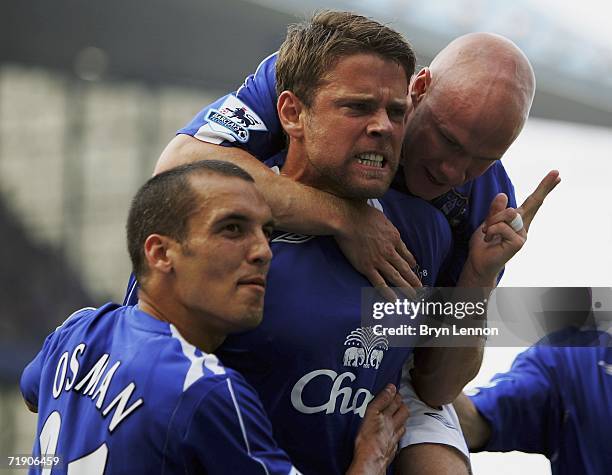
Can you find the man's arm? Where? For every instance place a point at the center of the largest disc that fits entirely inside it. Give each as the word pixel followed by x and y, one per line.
pixel 431 459
pixel 366 237
pixel 517 410
pixel 440 374
pixel 476 429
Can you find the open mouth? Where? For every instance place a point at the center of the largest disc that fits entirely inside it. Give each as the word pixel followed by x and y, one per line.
pixel 369 159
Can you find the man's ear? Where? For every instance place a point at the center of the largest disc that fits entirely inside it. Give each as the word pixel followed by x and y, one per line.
pixel 290 113
pixel 158 251
pixel 419 85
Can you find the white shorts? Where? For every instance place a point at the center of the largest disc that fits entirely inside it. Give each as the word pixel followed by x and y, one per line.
pixel 427 425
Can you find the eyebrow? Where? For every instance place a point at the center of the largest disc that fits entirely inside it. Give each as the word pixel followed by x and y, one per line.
pixel 241 217
pixel 232 217
pixel 368 98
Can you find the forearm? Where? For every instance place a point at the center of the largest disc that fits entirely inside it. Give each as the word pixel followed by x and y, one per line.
pixel 476 429
pixel 440 374
pixel 296 208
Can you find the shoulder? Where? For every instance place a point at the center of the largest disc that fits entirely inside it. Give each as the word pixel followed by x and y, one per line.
pixel 87 313
pixel 417 218
pixel 263 77
pixel 81 319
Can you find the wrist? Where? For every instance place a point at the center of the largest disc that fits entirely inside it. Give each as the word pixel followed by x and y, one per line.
pixel 362 465
pixel 342 223
pixel 472 277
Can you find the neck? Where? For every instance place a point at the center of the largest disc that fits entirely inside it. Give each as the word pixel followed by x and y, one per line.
pixel 298 167
pixel 191 327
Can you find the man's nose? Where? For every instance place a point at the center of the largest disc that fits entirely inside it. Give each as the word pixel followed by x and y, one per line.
pixel 453 170
pixel 380 125
pixel 260 252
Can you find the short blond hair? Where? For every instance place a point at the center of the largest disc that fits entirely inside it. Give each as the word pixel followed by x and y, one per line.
pixel 312 48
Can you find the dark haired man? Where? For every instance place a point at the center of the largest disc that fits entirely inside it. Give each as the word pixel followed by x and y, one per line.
pixel 138 389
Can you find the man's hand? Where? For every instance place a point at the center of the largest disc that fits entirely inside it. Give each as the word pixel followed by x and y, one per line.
pixel 381 430
pixel 495 242
pixel 374 247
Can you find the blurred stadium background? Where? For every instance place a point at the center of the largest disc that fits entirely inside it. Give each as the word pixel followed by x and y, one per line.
pixel 91 93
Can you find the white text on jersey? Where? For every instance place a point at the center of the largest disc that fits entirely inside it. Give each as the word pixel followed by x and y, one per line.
pixel 91 386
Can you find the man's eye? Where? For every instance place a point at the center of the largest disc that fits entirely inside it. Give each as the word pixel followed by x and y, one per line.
pixel 233 228
pixel 357 106
pixel 451 142
pixel 397 114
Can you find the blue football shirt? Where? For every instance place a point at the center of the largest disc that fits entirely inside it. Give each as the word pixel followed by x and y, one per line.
pixel 247 119
pixel 312 363
pixel 120 392
pixel 555 401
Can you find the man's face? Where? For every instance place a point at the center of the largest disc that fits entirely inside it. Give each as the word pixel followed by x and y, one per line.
pixel 453 138
pixel 354 127
pixel 221 266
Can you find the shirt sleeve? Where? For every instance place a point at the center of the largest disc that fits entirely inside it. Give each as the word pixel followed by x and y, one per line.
pixel 246 118
pixel 231 433
pixel 471 207
pixel 522 406
pixel 427 425
pixel 29 383
pixel 30 378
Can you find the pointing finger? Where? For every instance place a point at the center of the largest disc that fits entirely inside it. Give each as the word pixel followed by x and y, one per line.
pixel 532 204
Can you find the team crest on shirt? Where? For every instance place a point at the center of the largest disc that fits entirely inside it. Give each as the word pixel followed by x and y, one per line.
pixel 233 120
pixel 454 206
pixel 365 348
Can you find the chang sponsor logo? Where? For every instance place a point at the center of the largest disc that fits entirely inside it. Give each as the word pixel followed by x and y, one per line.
pixel 365 348
pixel 341 395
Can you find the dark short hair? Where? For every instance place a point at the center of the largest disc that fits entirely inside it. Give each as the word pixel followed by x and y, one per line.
pixel 164 204
pixel 312 48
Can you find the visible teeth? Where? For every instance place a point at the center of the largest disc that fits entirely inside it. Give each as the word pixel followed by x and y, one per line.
pixel 370 159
